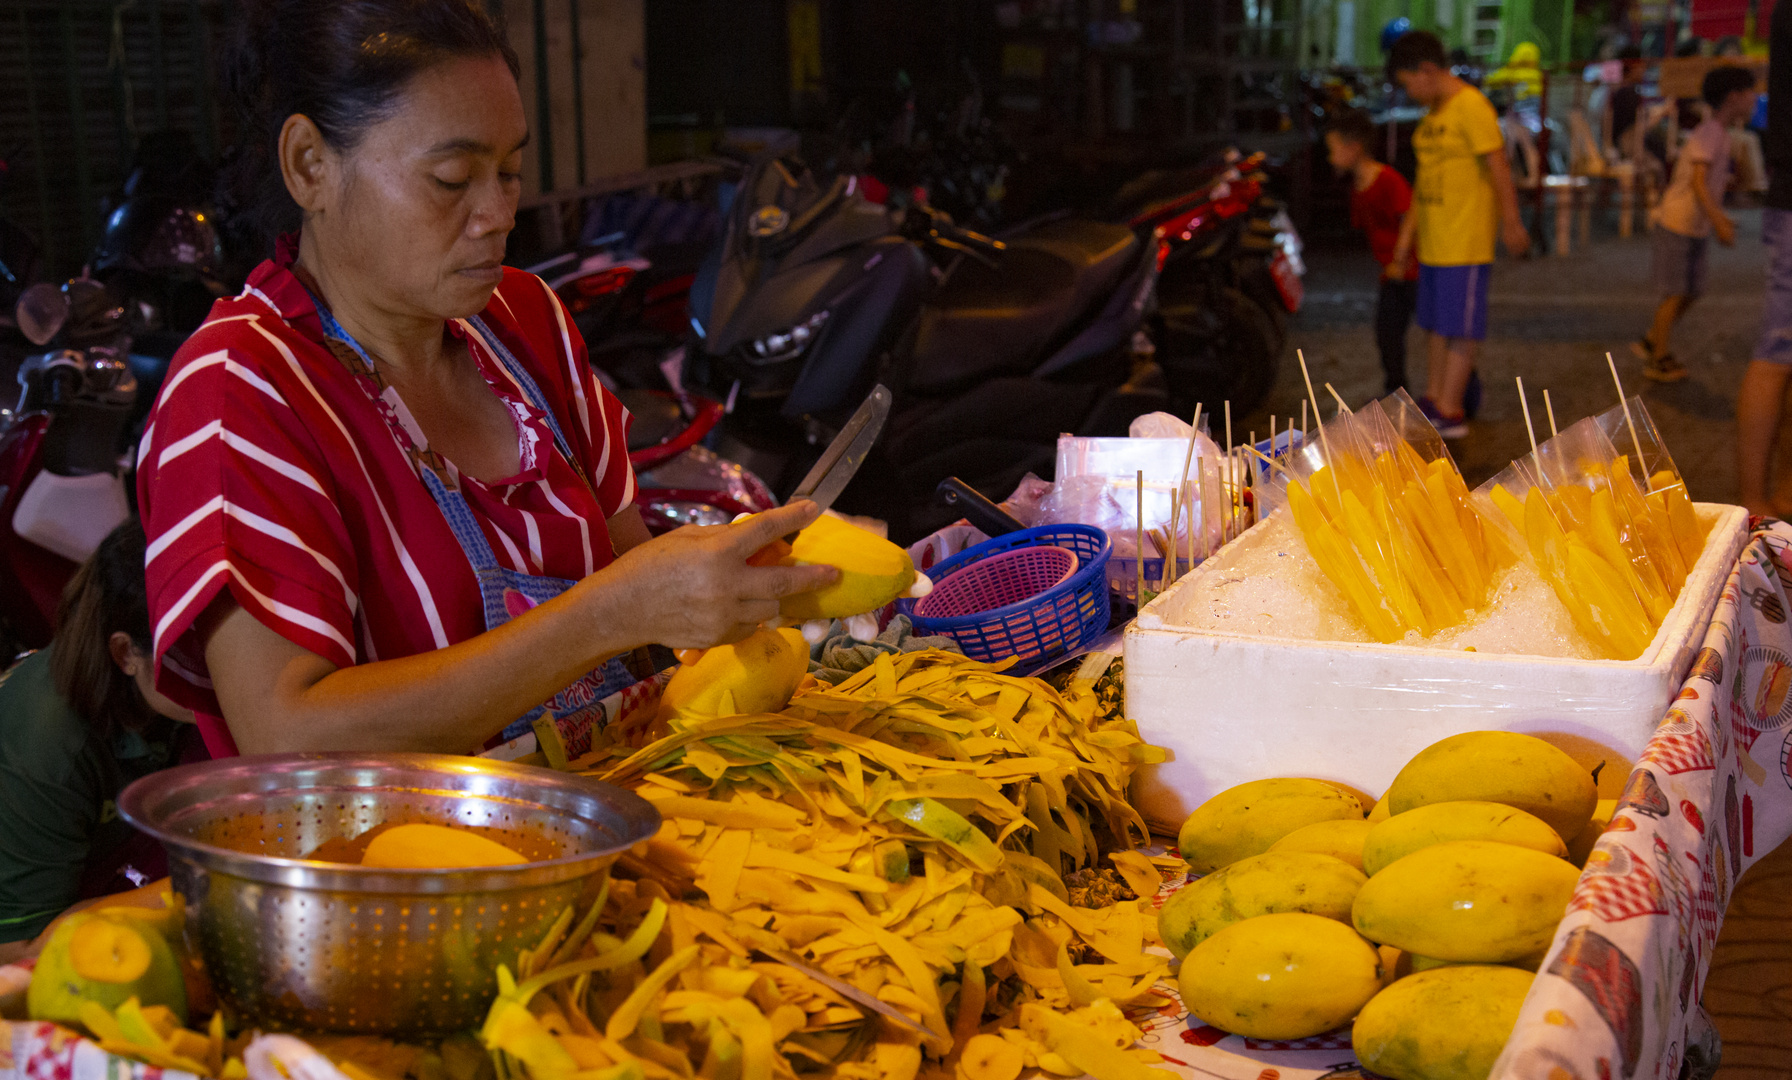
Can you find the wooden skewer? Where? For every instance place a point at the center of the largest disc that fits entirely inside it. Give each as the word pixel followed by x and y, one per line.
pixel 1139 542
pixel 1628 419
pixel 1188 457
pixel 1343 408
pixel 1528 429
pixel 1551 409
pixel 1325 442
pixel 1231 476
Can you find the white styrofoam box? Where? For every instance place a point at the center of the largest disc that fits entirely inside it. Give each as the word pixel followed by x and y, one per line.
pixel 1237 707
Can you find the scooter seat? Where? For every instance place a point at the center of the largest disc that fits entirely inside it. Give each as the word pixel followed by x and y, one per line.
pixel 1004 318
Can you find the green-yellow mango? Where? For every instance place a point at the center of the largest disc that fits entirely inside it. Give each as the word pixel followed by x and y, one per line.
pixel 1582 846
pixel 98 957
pixel 1260 885
pixel 1471 901
pixel 1502 767
pixel 1341 839
pixel 1245 820
pixel 1285 976
pixel 1427 963
pixel 1466 819
pixel 1447 1024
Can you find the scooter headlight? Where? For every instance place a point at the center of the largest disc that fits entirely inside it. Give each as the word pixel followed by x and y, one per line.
pixel 786 344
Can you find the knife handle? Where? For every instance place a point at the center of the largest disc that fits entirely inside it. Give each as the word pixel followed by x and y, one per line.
pixel 976 508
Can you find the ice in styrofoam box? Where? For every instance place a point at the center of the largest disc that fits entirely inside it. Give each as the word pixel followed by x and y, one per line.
pixel 1245 669
pixel 1267 584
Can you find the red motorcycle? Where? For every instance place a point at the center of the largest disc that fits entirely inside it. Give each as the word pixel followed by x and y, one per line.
pixel 633 314
pixel 63 477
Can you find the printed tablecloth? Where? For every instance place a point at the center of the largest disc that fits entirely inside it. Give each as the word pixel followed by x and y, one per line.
pixel 1618 996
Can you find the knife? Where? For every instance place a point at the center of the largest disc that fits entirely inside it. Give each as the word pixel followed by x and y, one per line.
pixel 846 989
pixel 841 460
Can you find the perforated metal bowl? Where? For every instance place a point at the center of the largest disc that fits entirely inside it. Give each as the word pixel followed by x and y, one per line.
pixel 319 946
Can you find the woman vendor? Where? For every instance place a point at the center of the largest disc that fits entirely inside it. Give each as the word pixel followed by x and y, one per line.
pixel 78 722
pixel 388 505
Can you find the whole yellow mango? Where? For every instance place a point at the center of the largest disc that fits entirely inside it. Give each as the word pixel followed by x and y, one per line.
pixel 1472 901
pixel 436 847
pixel 1502 767
pixel 1400 836
pixel 873 571
pixel 754 675
pixel 1341 839
pixel 1260 885
pixel 1447 1024
pixel 1582 845
pixel 1286 976
pixel 1379 812
pixel 1245 820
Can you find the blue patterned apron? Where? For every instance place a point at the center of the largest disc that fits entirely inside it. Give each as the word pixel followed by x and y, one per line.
pixel 564 724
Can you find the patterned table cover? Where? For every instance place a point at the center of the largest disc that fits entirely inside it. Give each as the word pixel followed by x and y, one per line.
pixel 1618 996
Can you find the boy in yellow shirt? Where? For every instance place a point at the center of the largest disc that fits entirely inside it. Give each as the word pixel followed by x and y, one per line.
pixel 1463 201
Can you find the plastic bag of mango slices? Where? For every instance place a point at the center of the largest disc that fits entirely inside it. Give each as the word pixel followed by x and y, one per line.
pixel 869 884
pixel 1614 540
pixel 1388 519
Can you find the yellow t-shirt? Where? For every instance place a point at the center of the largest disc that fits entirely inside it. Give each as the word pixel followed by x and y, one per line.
pixel 1458 211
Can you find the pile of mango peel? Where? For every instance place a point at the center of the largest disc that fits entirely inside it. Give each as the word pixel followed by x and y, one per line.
pixel 904 833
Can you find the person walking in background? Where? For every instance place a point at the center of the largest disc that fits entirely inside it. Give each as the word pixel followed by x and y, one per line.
pixel 1463 201
pixel 1762 399
pixel 1379 199
pixel 1692 210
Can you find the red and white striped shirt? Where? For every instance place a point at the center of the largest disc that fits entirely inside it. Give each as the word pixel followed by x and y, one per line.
pixel 267 469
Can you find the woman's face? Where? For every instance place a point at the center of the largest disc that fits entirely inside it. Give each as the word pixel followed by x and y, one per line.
pixel 421 206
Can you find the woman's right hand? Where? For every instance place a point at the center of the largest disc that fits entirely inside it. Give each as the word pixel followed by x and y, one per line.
pixel 692 588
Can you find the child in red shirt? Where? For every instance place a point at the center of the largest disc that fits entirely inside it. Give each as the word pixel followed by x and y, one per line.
pixel 1379 197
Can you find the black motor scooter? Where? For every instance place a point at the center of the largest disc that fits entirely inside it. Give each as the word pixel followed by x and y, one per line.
pixel 993 348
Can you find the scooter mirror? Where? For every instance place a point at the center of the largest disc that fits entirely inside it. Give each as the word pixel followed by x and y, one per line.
pixel 41 311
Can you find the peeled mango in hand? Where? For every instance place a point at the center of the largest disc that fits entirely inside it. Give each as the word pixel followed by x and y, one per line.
pixel 98 957
pixel 1400 836
pixel 873 571
pixel 1341 839
pixel 436 847
pixel 1260 885
pixel 1287 976
pixel 1471 901
pixel 1447 1024
pixel 1245 820
pixel 755 675
pixel 1502 767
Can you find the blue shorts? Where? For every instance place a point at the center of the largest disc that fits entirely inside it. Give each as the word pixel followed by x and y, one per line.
pixel 1679 263
pixel 1453 300
pixel 1775 345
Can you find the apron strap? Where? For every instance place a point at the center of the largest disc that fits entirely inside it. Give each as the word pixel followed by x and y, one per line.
pixel 462 524
pixel 532 391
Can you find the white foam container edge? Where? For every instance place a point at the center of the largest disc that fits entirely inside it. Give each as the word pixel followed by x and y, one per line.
pixel 1238 707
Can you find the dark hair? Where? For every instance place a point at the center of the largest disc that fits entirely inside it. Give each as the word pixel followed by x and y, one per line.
pixel 105 596
pixel 1721 82
pixel 1416 47
pixel 1353 125
pixel 339 62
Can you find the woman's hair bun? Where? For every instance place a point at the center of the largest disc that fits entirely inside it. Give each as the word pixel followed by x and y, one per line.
pixel 339 62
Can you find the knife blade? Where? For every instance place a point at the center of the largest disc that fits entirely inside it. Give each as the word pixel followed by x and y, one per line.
pixel 848 990
pixel 841 460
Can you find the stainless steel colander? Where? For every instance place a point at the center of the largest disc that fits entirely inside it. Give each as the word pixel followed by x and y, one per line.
pixel 316 946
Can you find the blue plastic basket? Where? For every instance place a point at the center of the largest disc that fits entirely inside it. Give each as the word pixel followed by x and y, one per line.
pixel 1043 628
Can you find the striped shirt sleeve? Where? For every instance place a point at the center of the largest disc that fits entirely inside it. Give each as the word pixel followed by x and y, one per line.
pixel 600 417
pixel 236 495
